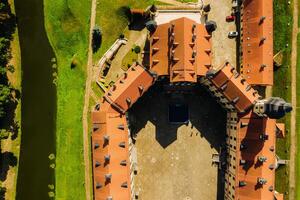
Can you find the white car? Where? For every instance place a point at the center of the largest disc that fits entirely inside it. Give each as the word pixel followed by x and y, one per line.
pixel 233 34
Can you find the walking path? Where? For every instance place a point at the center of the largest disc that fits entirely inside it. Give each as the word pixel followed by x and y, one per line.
pixel 86 138
pixel 173 2
pixel 292 178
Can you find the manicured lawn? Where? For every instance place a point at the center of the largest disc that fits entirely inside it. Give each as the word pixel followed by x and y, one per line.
pixel 282 79
pixel 67 25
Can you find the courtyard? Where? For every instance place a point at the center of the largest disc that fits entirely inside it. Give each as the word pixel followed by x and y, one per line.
pixel 174 161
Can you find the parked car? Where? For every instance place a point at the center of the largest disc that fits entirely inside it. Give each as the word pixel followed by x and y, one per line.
pixel 230 18
pixel 233 34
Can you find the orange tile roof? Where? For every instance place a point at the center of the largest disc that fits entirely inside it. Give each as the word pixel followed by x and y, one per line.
pixel 257 41
pixel 279 196
pixel 110 138
pixel 181 49
pixel 124 93
pixel 234 88
pixel 250 129
pixel 280 130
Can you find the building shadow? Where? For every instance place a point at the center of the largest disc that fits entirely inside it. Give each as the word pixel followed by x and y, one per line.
pixel 256 145
pixel 205 115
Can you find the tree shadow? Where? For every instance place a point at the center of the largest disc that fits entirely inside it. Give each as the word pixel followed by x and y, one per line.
pixel 8 20
pixel 7 159
pixel 2 193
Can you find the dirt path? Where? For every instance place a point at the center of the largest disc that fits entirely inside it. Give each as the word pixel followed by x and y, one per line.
pixel 292 174
pixel 86 149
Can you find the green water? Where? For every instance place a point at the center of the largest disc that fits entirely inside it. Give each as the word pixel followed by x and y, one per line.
pixel 38 103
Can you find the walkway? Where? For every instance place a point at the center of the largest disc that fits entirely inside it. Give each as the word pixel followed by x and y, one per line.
pixel 294 103
pixel 86 137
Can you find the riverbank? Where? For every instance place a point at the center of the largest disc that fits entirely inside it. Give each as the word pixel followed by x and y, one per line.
pixel 12 144
pixel 282 79
pixel 67 26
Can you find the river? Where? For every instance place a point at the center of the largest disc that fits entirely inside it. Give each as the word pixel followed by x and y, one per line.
pixel 38 103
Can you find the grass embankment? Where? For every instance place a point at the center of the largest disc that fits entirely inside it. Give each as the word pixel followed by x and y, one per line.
pixel 67 26
pixel 282 80
pixel 298 122
pixel 12 144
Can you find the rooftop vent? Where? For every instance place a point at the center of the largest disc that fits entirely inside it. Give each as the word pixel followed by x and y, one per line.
pixel 123 163
pixel 107 177
pixel 262 19
pixel 98 185
pixel 242 162
pixel 97 163
pixel 107 158
pixel 261 181
pixel 121 127
pixel 106 139
pixel 262 159
pixel 122 145
pixel 124 185
pixel 96 146
pixel 263 137
pixel 242 183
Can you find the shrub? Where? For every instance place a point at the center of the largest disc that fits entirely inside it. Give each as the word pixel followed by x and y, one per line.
pixel 4 134
pixel 137 49
pixel 97 38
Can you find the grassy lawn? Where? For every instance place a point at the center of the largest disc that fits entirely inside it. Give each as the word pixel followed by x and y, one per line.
pixel 127 61
pixel 112 20
pixel 298 121
pixel 67 25
pixel 282 79
pixel 13 144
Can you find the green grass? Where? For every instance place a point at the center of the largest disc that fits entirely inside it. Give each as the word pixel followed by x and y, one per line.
pixel 129 58
pixel 67 25
pixel 298 121
pixel 282 79
pixel 112 20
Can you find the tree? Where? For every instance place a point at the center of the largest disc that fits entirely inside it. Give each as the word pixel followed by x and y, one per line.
pixel 137 49
pixel 4 98
pixel 4 134
pixel 97 38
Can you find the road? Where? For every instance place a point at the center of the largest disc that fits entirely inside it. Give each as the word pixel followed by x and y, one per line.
pixel 86 137
pixel 292 178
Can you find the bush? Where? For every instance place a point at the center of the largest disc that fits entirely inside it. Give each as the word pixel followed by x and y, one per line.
pixel 74 63
pixel 97 38
pixel 122 36
pixel 137 49
pixel 11 68
pixel 4 134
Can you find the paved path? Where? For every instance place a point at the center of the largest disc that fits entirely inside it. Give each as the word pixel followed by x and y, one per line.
pixel 173 2
pixel 294 103
pixel 86 138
